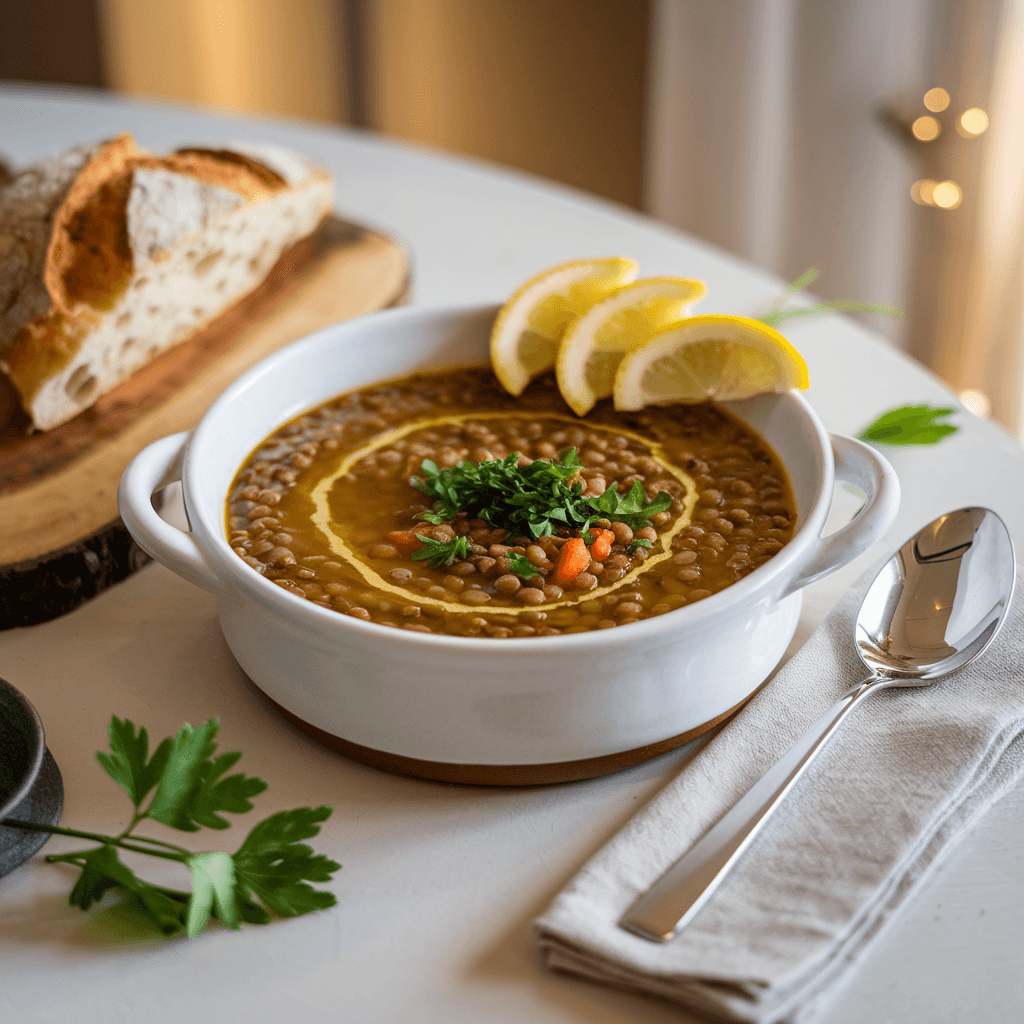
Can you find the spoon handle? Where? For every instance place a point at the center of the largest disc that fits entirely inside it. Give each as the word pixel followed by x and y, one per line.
pixel 679 894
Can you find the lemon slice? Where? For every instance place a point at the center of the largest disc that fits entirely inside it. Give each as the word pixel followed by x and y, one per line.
pixel 529 327
pixel 594 344
pixel 708 357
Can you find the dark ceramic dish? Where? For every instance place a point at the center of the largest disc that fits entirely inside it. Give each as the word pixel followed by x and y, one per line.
pixel 30 784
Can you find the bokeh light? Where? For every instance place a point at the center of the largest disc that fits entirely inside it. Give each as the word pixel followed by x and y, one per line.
pixel 972 122
pixel 947 195
pixel 926 128
pixel 921 191
pixel 936 100
pixel 976 401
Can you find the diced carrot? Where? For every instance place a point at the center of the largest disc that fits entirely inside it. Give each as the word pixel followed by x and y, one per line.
pixel 601 547
pixel 405 540
pixel 572 560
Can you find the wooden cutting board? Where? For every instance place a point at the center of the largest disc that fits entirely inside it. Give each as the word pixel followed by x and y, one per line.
pixel 61 540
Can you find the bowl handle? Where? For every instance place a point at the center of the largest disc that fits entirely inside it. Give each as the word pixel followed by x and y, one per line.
pixel 858 464
pixel 155 467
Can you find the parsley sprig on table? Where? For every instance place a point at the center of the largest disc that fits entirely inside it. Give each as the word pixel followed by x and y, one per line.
pixel 270 871
pixel 910 424
pixel 532 500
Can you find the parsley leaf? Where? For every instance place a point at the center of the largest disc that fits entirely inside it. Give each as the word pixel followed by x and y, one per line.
pixel 639 542
pixel 126 764
pixel 632 508
pixel 216 794
pixel 103 870
pixel 213 884
pixel 533 500
pixel 182 776
pixel 270 872
pixel 191 792
pixel 271 864
pixel 910 424
pixel 441 552
pixel 522 567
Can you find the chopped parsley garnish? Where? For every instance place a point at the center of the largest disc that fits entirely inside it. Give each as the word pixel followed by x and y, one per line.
pixel 441 552
pixel 522 567
pixel 532 500
pixel 639 542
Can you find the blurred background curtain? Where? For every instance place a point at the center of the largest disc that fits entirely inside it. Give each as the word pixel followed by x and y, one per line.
pixel 793 133
pixel 979 328
pixel 271 56
pixel 787 131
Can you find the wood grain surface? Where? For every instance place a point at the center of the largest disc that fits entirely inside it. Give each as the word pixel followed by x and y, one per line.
pixel 61 541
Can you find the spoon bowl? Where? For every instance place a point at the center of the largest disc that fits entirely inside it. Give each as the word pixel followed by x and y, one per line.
pixel 939 601
pixel 934 606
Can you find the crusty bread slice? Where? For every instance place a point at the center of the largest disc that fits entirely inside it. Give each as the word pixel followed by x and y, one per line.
pixel 28 208
pixel 110 255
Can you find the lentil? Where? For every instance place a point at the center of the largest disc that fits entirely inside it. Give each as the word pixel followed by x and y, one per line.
pixel 744 511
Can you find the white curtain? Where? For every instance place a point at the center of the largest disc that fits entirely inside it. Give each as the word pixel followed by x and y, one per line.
pixel 774 132
pixel 985 264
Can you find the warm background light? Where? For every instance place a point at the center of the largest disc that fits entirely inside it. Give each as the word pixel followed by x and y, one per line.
pixel 973 122
pixel 921 191
pixel 976 401
pixel 936 100
pixel 622 100
pixel 252 55
pixel 947 195
pixel 926 128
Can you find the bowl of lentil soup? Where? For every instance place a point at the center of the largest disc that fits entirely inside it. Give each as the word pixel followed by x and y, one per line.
pixel 437 578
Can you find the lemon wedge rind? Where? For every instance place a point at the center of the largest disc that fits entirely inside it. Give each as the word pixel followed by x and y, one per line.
pixel 712 357
pixel 529 327
pixel 594 344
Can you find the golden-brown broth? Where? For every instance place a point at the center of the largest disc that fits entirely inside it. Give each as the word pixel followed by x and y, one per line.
pixel 313 507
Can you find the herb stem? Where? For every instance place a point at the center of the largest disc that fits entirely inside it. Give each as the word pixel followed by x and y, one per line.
pixel 157 842
pixel 136 818
pixel 31 826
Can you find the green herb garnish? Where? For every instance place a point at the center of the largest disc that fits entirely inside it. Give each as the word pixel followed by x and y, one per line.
pixel 639 542
pixel 441 552
pixel 910 424
pixel 269 871
pixel 631 508
pixel 777 315
pixel 531 500
pixel 522 567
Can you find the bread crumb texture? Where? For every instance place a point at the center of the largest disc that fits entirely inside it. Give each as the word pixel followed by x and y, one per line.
pixel 109 255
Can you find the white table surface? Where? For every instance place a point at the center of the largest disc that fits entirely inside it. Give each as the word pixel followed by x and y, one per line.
pixel 440 883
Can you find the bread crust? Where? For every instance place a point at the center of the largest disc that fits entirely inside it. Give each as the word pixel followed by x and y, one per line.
pixel 28 208
pixel 107 253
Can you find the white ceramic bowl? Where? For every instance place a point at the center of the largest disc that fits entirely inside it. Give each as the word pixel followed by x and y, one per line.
pixel 484 710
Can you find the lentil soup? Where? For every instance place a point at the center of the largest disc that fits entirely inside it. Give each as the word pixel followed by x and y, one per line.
pixel 336 507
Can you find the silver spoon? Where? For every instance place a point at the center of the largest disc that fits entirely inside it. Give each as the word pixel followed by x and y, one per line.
pixel 934 606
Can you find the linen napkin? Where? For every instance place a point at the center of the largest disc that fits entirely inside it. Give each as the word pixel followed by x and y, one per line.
pixel 907 773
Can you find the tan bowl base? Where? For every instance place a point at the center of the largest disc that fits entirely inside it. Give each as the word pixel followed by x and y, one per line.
pixel 499 774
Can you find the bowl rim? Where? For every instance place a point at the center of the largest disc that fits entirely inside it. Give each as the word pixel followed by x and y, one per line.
pixel 37 754
pixel 299 612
